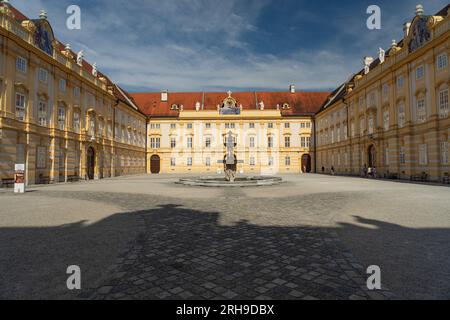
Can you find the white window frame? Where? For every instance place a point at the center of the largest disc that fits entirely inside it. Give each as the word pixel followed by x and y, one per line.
pixel 421 110
pixel 62 85
pixel 42 113
pixel 21 106
pixel 443 104
pixel 444 152
pixel 43 75
pixel 61 118
pixel 21 64
pixel 420 72
pixel 442 61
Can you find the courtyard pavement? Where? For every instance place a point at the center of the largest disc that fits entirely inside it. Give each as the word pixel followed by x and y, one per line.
pixel 144 237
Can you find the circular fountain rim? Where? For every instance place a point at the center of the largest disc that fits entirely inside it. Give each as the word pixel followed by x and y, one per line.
pixel 242 181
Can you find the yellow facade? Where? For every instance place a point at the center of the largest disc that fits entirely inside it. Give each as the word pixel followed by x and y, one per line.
pixel 60 120
pixel 266 142
pixel 395 115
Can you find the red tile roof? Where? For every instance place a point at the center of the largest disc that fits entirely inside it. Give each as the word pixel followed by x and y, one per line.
pixel 301 103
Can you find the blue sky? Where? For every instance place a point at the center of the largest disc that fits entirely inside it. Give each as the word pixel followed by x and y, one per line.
pixel 210 45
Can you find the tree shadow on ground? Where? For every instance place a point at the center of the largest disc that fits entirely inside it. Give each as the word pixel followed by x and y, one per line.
pixel 181 253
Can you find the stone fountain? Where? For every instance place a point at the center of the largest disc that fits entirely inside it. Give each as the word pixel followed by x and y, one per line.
pixel 230 169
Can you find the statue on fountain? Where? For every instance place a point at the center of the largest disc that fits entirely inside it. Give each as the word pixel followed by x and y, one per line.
pixel 230 162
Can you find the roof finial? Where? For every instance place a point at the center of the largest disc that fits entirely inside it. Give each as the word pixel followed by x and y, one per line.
pixel 68 48
pixel 419 10
pixel 43 14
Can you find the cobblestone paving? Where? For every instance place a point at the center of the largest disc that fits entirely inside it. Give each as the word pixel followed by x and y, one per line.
pixel 286 242
pixel 185 253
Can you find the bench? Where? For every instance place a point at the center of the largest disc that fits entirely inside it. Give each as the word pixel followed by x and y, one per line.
pixel 420 177
pixel 43 180
pixel 74 178
pixel 446 179
pixel 8 183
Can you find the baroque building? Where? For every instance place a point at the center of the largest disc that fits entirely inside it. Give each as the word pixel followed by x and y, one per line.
pixel 272 130
pixel 394 114
pixel 59 115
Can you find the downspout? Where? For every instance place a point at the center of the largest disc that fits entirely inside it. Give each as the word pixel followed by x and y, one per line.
pixel 348 134
pixel 315 143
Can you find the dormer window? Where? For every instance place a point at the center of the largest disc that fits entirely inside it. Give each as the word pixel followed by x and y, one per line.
pixel 174 107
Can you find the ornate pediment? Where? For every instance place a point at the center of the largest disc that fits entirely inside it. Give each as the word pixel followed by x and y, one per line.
pixel 43 36
pixel 229 106
pixel 419 33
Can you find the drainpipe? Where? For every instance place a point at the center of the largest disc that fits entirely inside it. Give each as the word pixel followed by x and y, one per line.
pixel 315 143
pixel 348 134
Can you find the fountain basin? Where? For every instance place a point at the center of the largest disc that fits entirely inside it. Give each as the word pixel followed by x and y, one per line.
pixel 240 182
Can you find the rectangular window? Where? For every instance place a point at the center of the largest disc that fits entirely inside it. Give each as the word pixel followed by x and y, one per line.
pixel 386 156
pixel 189 162
pixel 287 142
pixel 402 155
pixel 20 107
pixel 173 126
pixel 173 143
pixel 77 92
pixel 61 118
pixel 252 161
pixel 189 125
pixel 423 154
pixel 442 61
pixel 62 85
pixel 270 142
pixel 401 116
pixel 173 162
pixel 287 161
pixel 444 152
pixel 362 125
pixel 303 125
pixel 155 143
pixel 386 120
pixel 208 125
pixel 41 158
pixel 43 75
pixel 189 142
pixel 21 64
pixel 42 114
pixel 270 125
pixel 156 126
pixel 303 142
pixel 421 111
pixel 287 125
pixel 443 104
pixel 208 142
pixel 420 72
pixel 270 162
pixel 208 161
pixel 371 125
pixel 252 126
pixel 252 142
pixel 400 82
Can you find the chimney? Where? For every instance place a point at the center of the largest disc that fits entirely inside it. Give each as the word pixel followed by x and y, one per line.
pixel 419 10
pixel 164 96
pixel 406 28
pixel 292 88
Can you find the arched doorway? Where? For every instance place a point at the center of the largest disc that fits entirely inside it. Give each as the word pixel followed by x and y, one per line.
pixel 371 156
pixel 155 164
pixel 306 163
pixel 91 163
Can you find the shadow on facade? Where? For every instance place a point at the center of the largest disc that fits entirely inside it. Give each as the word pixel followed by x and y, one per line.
pixel 187 254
